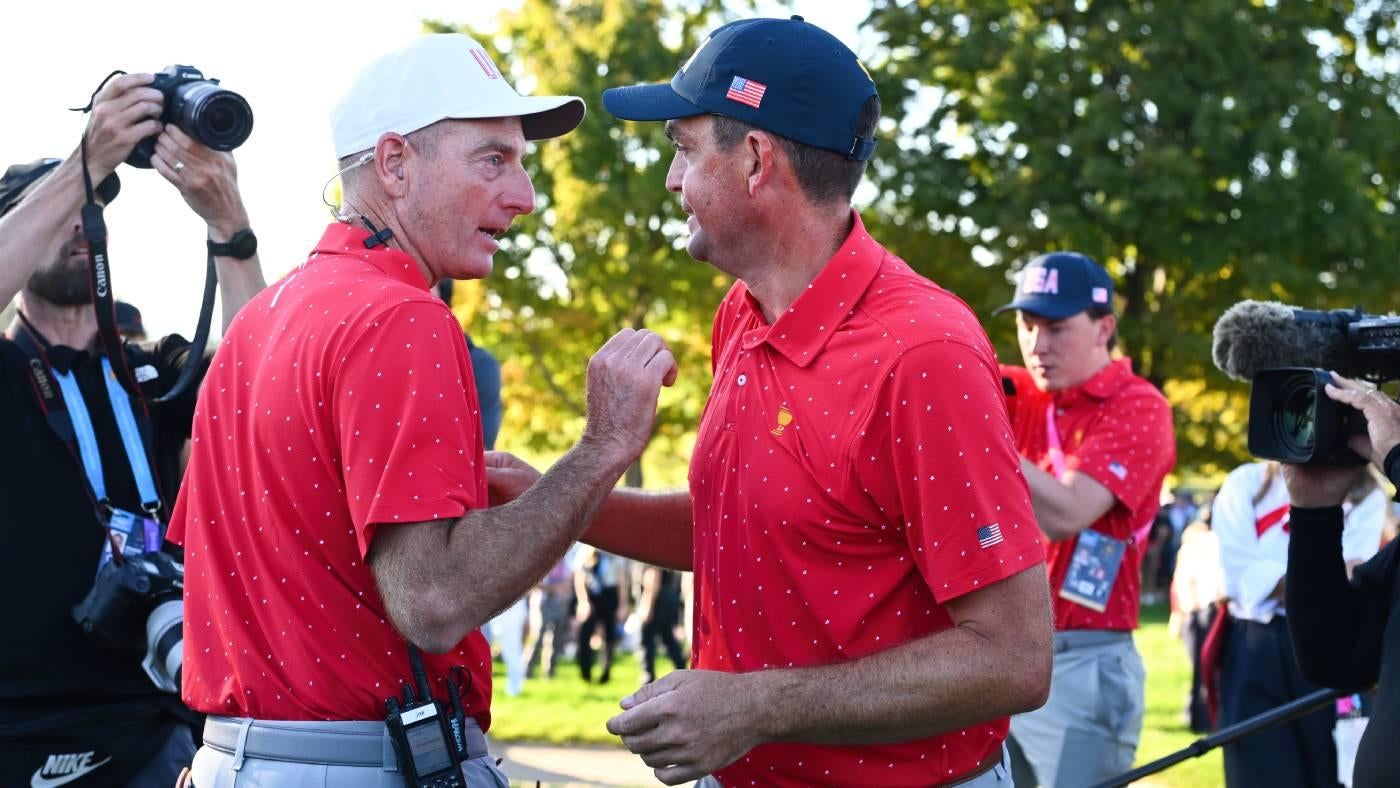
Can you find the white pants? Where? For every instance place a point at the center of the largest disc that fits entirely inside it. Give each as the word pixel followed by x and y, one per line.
pixel 508 630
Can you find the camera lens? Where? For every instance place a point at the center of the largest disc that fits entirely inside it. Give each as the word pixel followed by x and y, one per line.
pixel 218 118
pixel 1296 418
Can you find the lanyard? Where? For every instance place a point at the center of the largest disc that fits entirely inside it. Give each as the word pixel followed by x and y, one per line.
pixel 1052 439
pixel 86 436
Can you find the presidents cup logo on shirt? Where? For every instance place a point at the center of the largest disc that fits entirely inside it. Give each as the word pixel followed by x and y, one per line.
pixel 784 419
pixel 64 768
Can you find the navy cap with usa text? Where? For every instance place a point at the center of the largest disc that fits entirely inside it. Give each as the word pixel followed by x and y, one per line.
pixel 786 76
pixel 1060 285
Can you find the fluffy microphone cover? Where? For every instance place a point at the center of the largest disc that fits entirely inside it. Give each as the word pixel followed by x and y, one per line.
pixel 1255 335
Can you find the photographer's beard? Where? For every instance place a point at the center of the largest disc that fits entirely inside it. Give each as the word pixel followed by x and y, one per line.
pixel 64 282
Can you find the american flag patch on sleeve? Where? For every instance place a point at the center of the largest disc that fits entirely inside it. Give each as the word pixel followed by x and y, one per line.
pixel 989 535
pixel 746 91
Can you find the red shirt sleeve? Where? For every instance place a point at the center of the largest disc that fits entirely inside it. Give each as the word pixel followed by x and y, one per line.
pixel 954 478
pixel 1130 450
pixel 405 411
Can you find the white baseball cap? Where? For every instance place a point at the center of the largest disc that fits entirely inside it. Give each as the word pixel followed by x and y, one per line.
pixel 435 77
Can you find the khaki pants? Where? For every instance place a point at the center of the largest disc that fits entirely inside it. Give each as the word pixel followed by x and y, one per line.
pixel 1088 730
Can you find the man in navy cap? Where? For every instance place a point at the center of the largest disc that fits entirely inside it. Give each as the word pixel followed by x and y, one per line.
pixel 1096 442
pixel 868 572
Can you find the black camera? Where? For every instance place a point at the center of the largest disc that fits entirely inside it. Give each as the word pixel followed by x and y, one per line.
pixel 213 116
pixel 136 606
pixel 1291 418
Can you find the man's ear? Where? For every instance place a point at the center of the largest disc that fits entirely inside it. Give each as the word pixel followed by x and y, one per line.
pixel 389 166
pixel 761 161
pixel 1107 325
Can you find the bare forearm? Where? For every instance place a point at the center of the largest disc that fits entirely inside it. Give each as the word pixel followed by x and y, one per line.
pixel 32 233
pixel 944 682
pixel 652 527
pixel 239 281
pixel 464 572
pixel 1049 500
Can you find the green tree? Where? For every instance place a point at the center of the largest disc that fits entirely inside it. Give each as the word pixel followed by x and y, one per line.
pixel 605 247
pixel 1205 151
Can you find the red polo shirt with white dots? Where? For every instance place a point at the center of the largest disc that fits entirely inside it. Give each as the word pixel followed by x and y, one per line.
pixel 1116 428
pixel 340 402
pixel 853 473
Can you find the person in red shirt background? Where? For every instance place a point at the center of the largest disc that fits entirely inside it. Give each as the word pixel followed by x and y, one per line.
pixel 335 512
pixel 1096 442
pixel 870 597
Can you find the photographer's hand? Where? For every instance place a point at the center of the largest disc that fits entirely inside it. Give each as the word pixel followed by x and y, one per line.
pixel 124 112
pixel 208 180
pixel 1382 417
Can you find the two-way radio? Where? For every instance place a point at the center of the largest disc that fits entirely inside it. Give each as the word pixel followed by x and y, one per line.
pixel 423 741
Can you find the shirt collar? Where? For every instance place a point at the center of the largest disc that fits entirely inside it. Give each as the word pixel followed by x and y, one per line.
pixel 803 330
pixel 349 241
pixel 1104 384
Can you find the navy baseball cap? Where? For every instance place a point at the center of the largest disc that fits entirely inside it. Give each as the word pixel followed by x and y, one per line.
pixel 786 76
pixel 17 180
pixel 1060 285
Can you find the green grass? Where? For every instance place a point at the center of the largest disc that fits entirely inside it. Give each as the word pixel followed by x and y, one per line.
pixel 1163 727
pixel 565 710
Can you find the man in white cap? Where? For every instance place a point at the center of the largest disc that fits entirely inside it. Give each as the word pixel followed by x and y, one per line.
pixel 335 511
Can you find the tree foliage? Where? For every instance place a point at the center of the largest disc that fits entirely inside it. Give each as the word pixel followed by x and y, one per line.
pixel 1205 152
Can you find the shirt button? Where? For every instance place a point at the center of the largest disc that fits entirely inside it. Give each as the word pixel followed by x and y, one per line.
pixel 742 379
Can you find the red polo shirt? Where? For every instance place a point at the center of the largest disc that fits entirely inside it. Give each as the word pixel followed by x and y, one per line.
pixel 854 472
pixel 1116 428
pixel 340 402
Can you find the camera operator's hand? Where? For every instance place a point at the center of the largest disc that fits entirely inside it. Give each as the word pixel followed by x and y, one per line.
pixel 1315 486
pixel 1382 417
pixel 206 178
pixel 124 112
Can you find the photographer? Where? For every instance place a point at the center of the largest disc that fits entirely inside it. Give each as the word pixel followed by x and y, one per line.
pixel 1342 629
pixel 74 711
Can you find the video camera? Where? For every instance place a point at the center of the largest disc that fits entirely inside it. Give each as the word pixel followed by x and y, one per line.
pixel 213 116
pixel 1288 355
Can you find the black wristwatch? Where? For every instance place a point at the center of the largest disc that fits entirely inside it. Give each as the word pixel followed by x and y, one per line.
pixel 241 246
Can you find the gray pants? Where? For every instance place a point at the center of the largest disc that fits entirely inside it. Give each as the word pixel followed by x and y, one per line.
pixel 1088 730
pixel 240 753
pixel 998 776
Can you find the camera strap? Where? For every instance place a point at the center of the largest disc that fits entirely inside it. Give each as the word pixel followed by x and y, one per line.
pixel 67 414
pixel 100 283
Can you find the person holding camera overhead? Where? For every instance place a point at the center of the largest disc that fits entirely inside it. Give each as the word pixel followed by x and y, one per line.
pixel 87 474
pixel 1346 633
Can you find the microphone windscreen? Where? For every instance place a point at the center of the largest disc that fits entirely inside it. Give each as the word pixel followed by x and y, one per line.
pixel 1255 335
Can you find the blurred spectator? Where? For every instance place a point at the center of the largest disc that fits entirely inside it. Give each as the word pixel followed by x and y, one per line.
pixel 129 322
pixel 661 609
pixel 1197 587
pixel 1258 670
pixel 599 581
pixel 556 600
pixel 1180 513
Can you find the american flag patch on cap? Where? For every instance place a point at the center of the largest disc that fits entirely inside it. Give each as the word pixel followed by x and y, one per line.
pixel 746 91
pixel 1100 295
pixel 989 535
